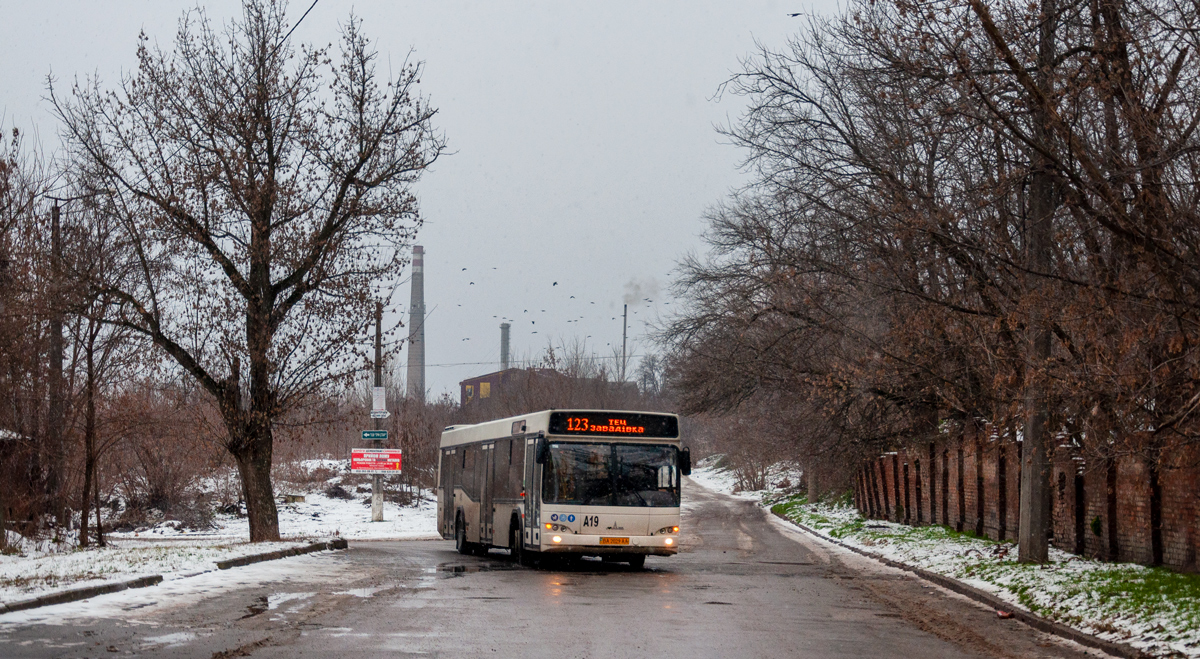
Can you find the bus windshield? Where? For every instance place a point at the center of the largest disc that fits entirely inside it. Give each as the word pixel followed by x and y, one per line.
pixel 611 475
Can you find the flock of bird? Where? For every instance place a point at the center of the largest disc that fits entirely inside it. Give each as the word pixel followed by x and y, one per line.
pixel 533 322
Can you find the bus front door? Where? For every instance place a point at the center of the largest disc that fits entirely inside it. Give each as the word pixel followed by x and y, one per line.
pixel 533 492
pixel 485 500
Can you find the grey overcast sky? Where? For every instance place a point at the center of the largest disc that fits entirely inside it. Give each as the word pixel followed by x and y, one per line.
pixel 582 139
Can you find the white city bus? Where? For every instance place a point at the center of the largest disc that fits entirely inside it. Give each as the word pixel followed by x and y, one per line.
pixel 566 482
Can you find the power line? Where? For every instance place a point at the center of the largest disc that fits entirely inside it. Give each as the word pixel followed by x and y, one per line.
pixel 530 362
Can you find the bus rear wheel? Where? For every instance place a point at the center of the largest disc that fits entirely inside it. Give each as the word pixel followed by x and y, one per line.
pixel 460 537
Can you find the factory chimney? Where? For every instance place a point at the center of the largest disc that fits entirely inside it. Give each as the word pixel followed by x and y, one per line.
pixel 504 346
pixel 416 327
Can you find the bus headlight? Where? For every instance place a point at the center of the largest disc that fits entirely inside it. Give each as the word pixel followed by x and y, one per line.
pixel 557 538
pixel 667 529
pixel 669 541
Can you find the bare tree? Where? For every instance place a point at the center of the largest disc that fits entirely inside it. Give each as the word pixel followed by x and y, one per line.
pixel 961 211
pixel 265 191
pixel 23 276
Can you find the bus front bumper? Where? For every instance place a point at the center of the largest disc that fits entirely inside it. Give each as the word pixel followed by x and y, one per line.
pixel 656 545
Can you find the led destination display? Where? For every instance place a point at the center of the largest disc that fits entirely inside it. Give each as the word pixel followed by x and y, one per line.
pixel 610 423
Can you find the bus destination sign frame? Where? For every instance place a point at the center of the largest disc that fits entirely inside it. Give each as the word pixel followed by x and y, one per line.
pixel 613 423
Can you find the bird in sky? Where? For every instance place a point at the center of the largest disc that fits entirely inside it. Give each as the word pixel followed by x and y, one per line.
pixel 464 269
pixel 593 303
pixel 533 322
pixel 554 284
pixel 472 283
pixel 572 297
pixel 533 332
pixel 525 311
pixel 466 339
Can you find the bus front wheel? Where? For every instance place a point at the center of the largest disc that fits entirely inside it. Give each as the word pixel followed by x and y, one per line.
pixel 637 561
pixel 516 547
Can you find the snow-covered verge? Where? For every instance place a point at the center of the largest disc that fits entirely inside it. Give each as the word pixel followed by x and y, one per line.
pixel 336 503
pixel 1153 609
pixel 171 549
pixel 711 474
pixel 31 575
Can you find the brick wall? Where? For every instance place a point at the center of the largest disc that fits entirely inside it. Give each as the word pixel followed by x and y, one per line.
pixel 1180 508
pixel 1113 509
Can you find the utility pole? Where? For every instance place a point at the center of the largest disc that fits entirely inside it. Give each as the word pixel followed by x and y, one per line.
pixel 624 327
pixel 377 479
pixel 1034 514
pixel 55 424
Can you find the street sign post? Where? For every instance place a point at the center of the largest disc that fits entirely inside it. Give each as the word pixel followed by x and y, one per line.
pixel 375 460
pixel 369 435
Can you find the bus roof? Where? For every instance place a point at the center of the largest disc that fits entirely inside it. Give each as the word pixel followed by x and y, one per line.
pixel 536 422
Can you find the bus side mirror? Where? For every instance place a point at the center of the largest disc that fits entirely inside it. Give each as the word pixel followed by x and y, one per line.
pixel 685 462
pixel 543 452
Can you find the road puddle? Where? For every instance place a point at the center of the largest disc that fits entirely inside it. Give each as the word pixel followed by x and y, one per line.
pixel 455 570
pixel 170 640
pixel 260 606
pixel 362 592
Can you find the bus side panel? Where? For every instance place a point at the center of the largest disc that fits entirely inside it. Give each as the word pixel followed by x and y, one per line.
pixel 466 493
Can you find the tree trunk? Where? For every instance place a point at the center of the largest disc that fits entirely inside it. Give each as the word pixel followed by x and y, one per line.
pixel 99 525
pixel 254 466
pixel 3 511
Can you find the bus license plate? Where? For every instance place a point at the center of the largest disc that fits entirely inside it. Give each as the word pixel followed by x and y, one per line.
pixel 614 541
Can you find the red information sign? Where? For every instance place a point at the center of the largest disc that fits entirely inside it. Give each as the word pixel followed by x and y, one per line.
pixel 375 460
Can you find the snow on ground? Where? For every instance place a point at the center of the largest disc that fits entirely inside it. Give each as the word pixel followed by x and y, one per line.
pixel 1153 609
pixel 319 516
pixel 25 577
pixel 184 591
pixel 173 551
pixel 709 474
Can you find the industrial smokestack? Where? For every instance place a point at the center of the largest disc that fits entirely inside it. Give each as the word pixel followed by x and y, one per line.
pixel 416 327
pixel 504 346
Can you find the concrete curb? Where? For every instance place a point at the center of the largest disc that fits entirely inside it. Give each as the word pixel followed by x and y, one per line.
pixel 339 543
pixel 986 598
pixel 77 594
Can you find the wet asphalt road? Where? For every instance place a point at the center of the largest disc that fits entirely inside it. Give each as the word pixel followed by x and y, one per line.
pixel 742 586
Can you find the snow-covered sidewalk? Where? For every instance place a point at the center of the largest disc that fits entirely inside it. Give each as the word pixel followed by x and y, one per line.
pixel 1152 609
